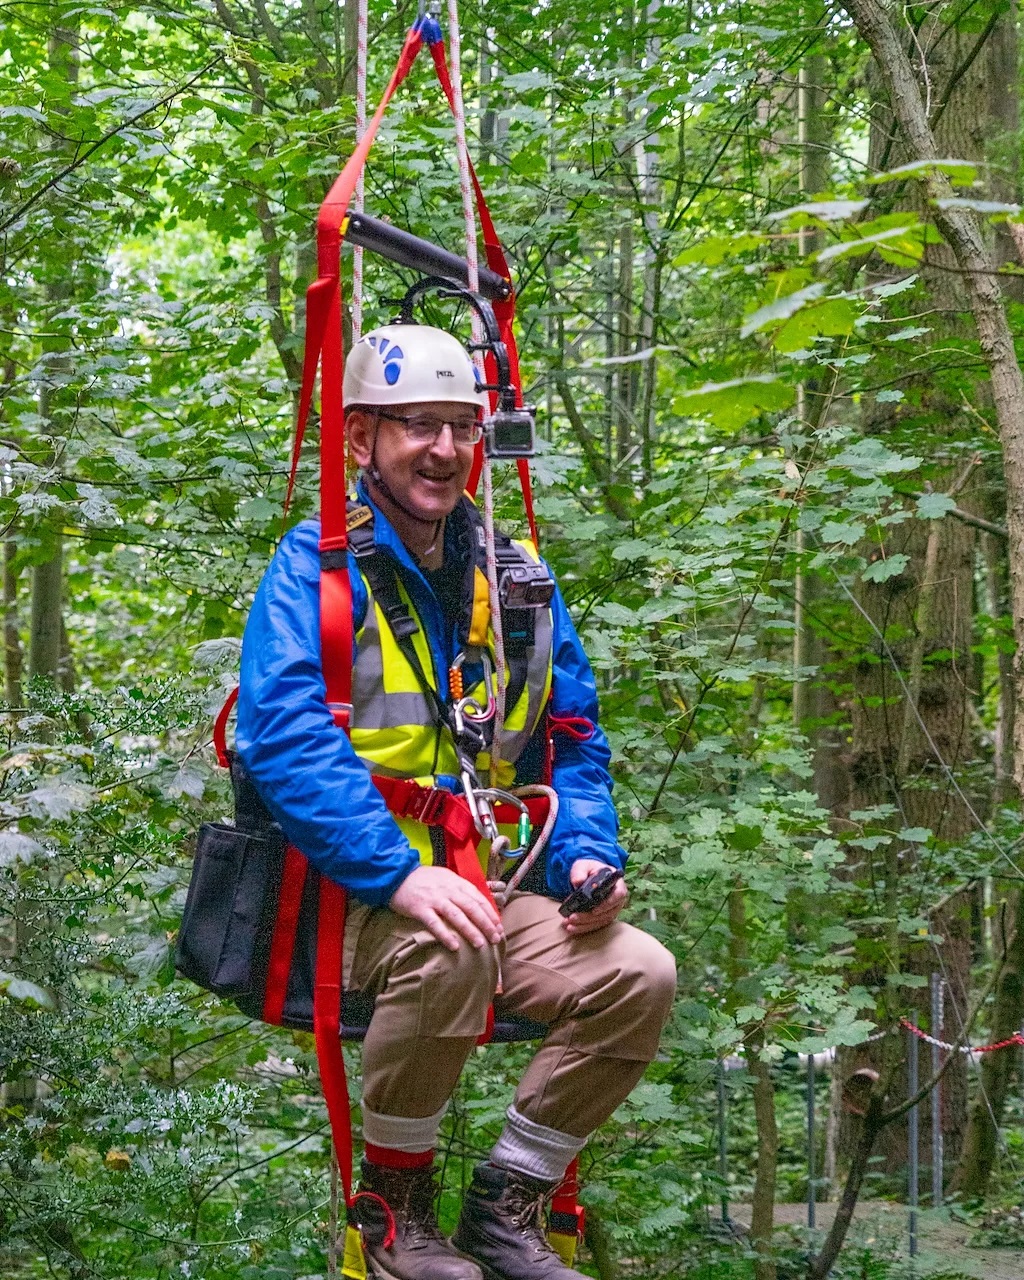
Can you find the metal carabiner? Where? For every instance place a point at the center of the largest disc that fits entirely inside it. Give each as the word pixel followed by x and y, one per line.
pixel 468 706
pixel 494 795
pixel 482 814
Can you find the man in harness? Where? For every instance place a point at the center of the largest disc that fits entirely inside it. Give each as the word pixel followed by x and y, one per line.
pixel 425 936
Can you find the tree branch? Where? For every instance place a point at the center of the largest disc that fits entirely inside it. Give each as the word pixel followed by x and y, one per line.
pixel 590 450
pixel 959 72
pixel 91 150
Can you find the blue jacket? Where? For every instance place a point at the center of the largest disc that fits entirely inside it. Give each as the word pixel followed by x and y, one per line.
pixel 315 785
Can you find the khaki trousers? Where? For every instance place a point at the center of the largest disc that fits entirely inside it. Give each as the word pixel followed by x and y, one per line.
pixel 605 997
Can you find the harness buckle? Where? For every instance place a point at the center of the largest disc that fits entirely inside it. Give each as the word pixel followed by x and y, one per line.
pixel 426 805
pixel 342 714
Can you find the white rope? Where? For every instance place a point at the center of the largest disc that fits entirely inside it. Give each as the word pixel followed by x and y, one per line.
pixel 462 151
pixel 357 252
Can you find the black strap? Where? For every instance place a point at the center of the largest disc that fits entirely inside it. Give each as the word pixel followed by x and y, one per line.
pixel 383 579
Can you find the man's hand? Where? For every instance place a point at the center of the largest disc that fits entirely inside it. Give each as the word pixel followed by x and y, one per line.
pixel 605 912
pixel 450 907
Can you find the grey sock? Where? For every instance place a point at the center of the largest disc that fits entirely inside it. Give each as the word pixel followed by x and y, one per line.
pixel 534 1149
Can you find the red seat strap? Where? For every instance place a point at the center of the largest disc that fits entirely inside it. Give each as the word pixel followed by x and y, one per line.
pixel 330 945
pixel 282 942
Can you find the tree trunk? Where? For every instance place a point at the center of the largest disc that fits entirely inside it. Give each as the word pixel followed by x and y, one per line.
pixel 977 263
pixel 914 727
pixel 46 618
pixel 598 1241
pixel 762 1222
pixel 12 633
pixel 47 576
pixel 814 704
pixel 653 260
pixel 980 1144
pixel 762 1209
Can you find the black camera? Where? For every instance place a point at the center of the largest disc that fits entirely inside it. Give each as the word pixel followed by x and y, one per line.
pixel 509 433
pixel 525 586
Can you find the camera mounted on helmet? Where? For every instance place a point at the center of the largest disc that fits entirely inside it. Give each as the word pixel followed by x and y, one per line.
pixel 510 431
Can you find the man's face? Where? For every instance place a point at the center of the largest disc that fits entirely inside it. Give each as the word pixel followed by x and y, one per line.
pixel 428 476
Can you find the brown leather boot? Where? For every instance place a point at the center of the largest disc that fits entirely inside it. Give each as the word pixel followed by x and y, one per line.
pixel 501 1227
pixel 419 1251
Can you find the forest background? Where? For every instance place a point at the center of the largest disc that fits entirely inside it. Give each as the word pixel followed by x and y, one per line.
pixel 768 259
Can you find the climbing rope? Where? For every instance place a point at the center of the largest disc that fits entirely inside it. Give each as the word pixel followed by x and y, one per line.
pixel 469 215
pixel 357 250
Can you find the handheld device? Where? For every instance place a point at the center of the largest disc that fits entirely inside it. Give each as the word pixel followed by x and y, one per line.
pixel 592 892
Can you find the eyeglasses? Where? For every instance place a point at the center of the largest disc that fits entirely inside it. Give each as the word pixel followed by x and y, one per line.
pixel 424 429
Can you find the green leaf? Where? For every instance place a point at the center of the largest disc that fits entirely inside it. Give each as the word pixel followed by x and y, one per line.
pixel 24 992
pixel 743 838
pixel 892 396
pixel 978 206
pixel 16 847
pixel 857 248
pixel 714 250
pixel 916 835
pixel 781 309
pixel 837 935
pixel 826 210
pixel 911 331
pixel 830 318
pixel 933 506
pixel 960 172
pixel 731 404
pixel 848 531
pixel 882 569
pixel 870 458
pixel 897 286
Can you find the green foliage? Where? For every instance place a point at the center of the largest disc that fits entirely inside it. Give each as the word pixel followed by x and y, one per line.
pixel 746 394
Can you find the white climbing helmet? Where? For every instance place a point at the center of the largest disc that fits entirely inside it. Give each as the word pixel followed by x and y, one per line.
pixel 410 364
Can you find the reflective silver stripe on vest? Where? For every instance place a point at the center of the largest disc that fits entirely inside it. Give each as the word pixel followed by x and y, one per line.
pixel 513 742
pixel 372 706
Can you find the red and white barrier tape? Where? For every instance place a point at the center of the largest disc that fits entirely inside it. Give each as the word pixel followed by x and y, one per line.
pixel 1015 1039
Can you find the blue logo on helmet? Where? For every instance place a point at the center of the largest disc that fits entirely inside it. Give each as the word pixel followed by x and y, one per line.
pixel 392 357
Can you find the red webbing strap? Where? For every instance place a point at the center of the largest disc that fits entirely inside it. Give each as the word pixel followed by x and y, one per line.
pixel 318 301
pixel 504 309
pixel 220 729
pixel 323 297
pixel 564 1204
pixel 335 591
pixel 282 942
pixel 330 945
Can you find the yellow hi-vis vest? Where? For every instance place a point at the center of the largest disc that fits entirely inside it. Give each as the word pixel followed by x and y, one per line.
pixel 394 726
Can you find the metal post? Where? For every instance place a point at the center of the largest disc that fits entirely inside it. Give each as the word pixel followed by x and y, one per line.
pixel 937 1153
pixel 723 1168
pixel 912 1134
pixel 811 1188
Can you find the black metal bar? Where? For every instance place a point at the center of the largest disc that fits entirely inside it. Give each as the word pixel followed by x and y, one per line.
pixel 937 1157
pixel 723 1150
pixel 420 255
pixel 912 1133
pixel 811 1187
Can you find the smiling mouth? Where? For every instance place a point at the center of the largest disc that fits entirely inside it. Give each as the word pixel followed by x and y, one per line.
pixel 436 479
